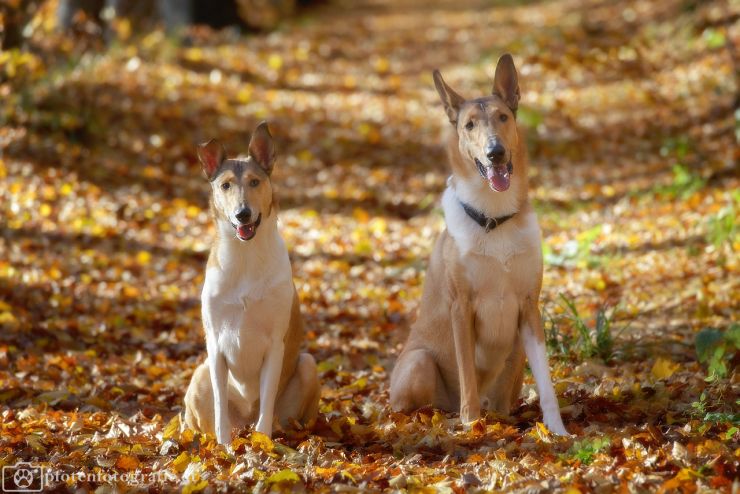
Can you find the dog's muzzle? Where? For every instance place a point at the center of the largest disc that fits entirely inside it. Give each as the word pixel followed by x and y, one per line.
pixel 497 175
pixel 247 231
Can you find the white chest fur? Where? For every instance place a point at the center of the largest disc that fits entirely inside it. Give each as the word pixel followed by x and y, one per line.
pixel 501 266
pixel 246 301
pixel 503 243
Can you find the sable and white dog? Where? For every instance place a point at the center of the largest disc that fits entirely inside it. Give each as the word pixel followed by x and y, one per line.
pixel 250 308
pixel 479 315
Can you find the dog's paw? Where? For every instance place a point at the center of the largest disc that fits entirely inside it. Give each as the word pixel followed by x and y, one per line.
pixel 223 439
pixel 223 434
pixel 469 414
pixel 264 427
pixel 556 426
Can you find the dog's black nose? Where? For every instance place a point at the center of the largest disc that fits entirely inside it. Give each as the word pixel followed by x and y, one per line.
pixel 495 152
pixel 243 214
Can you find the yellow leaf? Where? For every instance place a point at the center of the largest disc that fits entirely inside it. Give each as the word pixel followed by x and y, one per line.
pixel 261 442
pixel 173 428
pixel 378 226
pixel 275 61
pixel 180 463
pixel 7 318
pixel 360 215
pixel 195 487
pixel 244 95
pixel 130 291
pixel 542 429
pixel 382 65
pixel 325 472
pixel 187 436
pixel 194 54
pixel 663 368
pixel 686 474
pixel 541 433
pixel 143 257
pixel 283 476
pixel 66 189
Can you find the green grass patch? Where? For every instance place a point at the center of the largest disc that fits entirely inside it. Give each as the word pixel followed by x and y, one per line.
pixel 585 450
pixel 717 349
pixel 576 252
pixel 722 227
pixel 571 334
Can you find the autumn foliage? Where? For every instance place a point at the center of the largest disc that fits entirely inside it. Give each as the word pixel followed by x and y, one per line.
pixel 631 113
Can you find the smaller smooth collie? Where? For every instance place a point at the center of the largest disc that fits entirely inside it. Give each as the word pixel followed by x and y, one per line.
pixel 252 320
pixel 479 315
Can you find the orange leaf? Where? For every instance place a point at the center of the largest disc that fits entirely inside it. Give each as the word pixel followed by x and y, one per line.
pixel 127 462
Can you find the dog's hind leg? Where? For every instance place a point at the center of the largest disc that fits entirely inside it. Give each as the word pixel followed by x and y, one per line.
pixel 300 397
pixel 416 382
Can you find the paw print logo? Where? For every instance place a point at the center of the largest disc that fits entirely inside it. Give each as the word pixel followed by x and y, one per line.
pixel 23 478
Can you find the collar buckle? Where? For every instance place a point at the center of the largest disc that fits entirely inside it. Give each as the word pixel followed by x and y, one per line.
pixel 485 222
pixel 491 223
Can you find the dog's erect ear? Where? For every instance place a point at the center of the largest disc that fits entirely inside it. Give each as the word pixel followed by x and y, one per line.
pixel 506 82
pixel 261 147
pixel 211 154
pixel 450 99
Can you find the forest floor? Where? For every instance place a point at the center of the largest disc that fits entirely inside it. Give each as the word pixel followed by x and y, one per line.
pixel 630 109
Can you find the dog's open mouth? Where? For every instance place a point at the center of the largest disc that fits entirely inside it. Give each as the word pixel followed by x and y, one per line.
pixel 498 176
pixel 247 231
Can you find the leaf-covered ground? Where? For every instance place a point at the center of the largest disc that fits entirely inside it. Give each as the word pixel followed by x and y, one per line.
pixel 632 125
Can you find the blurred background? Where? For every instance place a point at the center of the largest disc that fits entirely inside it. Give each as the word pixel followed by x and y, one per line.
pixel 631 114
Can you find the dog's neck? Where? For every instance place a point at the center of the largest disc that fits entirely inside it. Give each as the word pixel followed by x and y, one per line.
pixel 234 254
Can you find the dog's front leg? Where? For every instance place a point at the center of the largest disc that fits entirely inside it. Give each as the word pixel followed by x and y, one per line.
pixel 219 381
pixel 462 332
pixel 269 381
pixel 534 347
pixel 465 356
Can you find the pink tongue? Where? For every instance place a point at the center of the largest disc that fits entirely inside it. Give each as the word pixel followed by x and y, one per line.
pixel 246 230
pixel 498 178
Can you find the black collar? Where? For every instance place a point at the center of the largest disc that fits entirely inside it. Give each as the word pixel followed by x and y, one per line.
pixel 484 221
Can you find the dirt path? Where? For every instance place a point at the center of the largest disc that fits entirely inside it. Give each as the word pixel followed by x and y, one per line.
pixel 629 108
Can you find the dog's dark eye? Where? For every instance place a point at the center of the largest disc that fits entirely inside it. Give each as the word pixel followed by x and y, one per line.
pixel 503 117
pixel 225 186
pixel 470 125
pixel 254 182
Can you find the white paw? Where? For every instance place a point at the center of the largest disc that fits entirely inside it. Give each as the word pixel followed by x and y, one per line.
pixel 468 415
pixel 223 438
pixel 264 428
pixel 555 425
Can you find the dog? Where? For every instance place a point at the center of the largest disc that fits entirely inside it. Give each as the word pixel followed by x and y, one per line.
pixel 479 314
pixel 250 309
